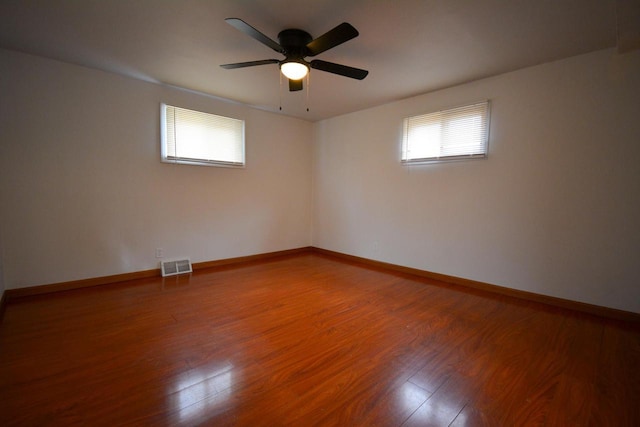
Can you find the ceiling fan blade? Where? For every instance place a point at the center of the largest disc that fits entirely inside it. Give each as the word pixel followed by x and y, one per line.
pixel 252 32
pixel 332 38
pixel 343 70
pixel 249 64
pixel 295 85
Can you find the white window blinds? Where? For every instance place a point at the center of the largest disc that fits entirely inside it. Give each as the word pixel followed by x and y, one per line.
pixel 193 137
pixel 458 133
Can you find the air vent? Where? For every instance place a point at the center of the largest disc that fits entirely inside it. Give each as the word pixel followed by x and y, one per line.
pixel 171 268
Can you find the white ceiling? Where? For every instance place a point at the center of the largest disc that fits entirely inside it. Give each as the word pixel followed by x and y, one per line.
pixel 410 47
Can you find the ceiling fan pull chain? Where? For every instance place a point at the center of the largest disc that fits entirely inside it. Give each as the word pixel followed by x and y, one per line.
pixel 280 92
pixel 308 89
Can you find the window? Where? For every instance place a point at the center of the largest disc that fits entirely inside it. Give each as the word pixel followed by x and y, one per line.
pixel 195 138
pixel 455 134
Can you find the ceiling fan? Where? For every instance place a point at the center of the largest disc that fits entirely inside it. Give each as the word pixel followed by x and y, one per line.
pixel 296 45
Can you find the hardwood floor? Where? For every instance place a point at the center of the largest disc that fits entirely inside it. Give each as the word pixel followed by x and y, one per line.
pixel 309 340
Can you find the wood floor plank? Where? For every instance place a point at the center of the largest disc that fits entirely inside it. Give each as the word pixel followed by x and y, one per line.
pixel 443 406
pixel 618 377
pixel 308 340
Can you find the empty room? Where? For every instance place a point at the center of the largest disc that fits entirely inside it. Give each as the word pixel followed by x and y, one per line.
pixel 320 213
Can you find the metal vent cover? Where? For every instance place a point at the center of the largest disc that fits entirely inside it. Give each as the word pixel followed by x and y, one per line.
pixel 171 268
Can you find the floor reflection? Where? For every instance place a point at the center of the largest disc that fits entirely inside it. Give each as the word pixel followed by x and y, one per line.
pixel 411 396
pixel 200 391
pixel 442 406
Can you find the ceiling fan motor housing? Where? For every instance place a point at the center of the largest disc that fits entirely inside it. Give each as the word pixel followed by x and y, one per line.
pixel 294 43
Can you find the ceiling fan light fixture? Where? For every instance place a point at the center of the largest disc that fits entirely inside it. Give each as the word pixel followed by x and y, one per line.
pixel 294 70
pixel 296 45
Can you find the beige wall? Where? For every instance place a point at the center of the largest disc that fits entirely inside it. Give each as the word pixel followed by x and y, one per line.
pixel 554 210
pixel 2 287
pixel 84 194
